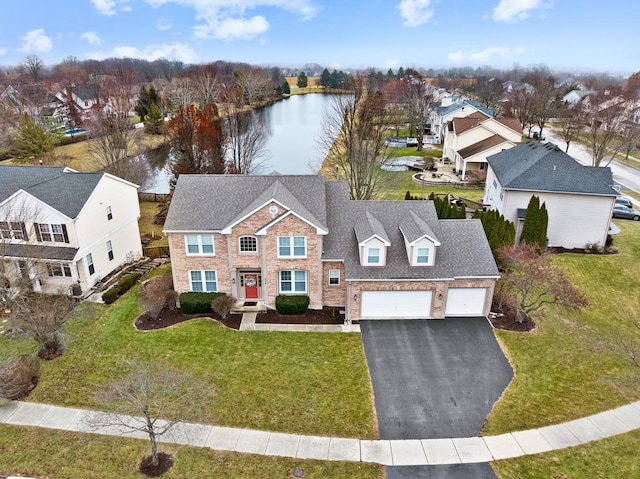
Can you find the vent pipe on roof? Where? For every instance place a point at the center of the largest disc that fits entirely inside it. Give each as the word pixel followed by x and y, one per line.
pixel 554 167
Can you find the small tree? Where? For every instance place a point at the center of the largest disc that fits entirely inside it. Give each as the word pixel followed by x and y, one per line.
pixel 536 220
pixel 286 89
pixel 303 81
pixel 19 376
pixel 154 294
pixel 42 317
pixel 532 281
pixel 31 141
pixel 153 399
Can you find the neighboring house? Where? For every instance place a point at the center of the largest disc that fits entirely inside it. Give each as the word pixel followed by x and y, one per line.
pixel 579 199
pixel 470 139
pixel 84 99
pixel 451 108
pixel 63 228
pixel 256 237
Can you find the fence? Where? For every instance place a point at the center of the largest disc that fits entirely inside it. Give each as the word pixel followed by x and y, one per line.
pixel 154 197
pixel 155 252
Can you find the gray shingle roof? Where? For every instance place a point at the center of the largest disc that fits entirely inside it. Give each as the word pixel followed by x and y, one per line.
pixel 64 190
pixel 464 249
pixel 413 228
pixel 53 253
pixel 367 226
pixel 213 202
pixel 532 166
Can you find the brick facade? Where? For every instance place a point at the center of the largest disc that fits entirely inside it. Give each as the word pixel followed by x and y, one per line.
pixel 333 295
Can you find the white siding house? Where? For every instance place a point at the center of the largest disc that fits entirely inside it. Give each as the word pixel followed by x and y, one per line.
pixel 579 199
pixel 76 228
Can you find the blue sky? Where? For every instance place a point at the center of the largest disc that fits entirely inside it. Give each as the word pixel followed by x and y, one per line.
pixel 563 34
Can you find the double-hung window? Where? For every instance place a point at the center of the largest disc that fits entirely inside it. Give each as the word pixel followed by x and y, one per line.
pixel 422 256
pixel 90 265
pixel 294 281
pixel 110 250
pixel 13 230
pixel 59 269
pixel 109 213
pixel 199 244
pixel 334 277
pixel 292 246
pixel 51 233
pixel 373 255
pixel 203 281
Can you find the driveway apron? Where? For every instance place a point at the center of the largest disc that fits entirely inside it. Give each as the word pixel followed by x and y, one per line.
pixel 434 378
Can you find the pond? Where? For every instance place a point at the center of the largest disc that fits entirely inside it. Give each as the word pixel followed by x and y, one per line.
pixel 293 125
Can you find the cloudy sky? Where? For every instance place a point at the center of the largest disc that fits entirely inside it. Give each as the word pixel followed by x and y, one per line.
pixel 565 34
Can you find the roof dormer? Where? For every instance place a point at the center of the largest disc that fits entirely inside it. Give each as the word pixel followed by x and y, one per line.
pixel 373 241
pixel 420 241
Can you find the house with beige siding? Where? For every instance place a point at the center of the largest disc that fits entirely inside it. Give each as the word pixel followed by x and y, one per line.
pixel 60 228
pixel 257 237
pixel 579 199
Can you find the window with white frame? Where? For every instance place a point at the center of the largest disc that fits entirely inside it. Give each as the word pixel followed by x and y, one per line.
pixel 23 268
pixel 109 213
pixel 294 281
pixel 13 230
pixel 373 255
pixel 422 256
pixel 110 250
pixel 203 281
pixel 90 265
pixel 334 277
pixel 199 244
pixel 292 246
pixel 51 233
pixel 59 269
pixel 248 244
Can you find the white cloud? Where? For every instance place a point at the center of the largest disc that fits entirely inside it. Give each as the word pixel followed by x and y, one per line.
pixel 175 50
pixel 509 11
pixel 485 55
pixel 232 28
pixel 226 20
pixel 415 12
pixel 91 37
pixel 36 41
pixel 3 51
pixel 108 7
pixel 163 24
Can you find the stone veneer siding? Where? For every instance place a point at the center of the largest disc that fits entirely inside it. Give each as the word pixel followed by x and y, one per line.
pixel 439 289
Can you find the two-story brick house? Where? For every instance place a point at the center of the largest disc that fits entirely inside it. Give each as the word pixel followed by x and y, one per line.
pixel 256 237
pixel 61 228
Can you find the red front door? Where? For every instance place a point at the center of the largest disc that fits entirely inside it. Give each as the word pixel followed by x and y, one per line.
pixel 251 286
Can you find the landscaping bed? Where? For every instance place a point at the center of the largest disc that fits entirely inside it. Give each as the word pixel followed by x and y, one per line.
pixel 325 315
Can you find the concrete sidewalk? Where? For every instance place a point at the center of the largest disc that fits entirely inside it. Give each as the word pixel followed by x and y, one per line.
pixel 463 450
pixel 248 323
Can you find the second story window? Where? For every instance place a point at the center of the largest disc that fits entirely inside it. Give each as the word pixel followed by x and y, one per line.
pixel 199 244
pixel 292 246
pixel 423 256
pixel 373 256
pixel 109 213
pixel 110 250
pixel 13 230
pixel 51 233
pixel 248 244
pixel 90 265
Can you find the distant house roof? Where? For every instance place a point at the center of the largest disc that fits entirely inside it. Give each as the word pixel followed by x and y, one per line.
pixel 63 189
pixel 532 166
pixel 481 146
pixel 445 110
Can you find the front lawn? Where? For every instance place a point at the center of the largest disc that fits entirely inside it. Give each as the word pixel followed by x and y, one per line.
pixel 307 383
pixel 566 369
pixel 28 451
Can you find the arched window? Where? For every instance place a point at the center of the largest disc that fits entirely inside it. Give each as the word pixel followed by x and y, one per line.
pixel 248 244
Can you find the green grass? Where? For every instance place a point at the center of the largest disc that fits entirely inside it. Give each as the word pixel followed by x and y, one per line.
pixel 613 458
pixel 308 383
pixel 566 368
pixel 148 210
pixel 397 183
pixel 33 452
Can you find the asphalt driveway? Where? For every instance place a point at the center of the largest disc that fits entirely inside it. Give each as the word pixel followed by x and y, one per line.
pixel 434 378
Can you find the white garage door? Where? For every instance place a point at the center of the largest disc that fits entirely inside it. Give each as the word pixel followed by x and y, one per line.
pixel 465 301
pixel 395 304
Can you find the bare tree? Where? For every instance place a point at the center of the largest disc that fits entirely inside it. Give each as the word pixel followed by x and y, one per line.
pixel 417 100
pixel 153 399
pixel 570 121
pixel 42 317
pixel 154 294
pixel 185 92
pixel 352 138
pixel 32 66
pixel 520 106
pixel 605 118
pixel 544 99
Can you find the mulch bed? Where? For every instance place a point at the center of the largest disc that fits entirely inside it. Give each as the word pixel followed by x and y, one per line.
pixel 169 317
pixel 507 321
pixel 165 462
